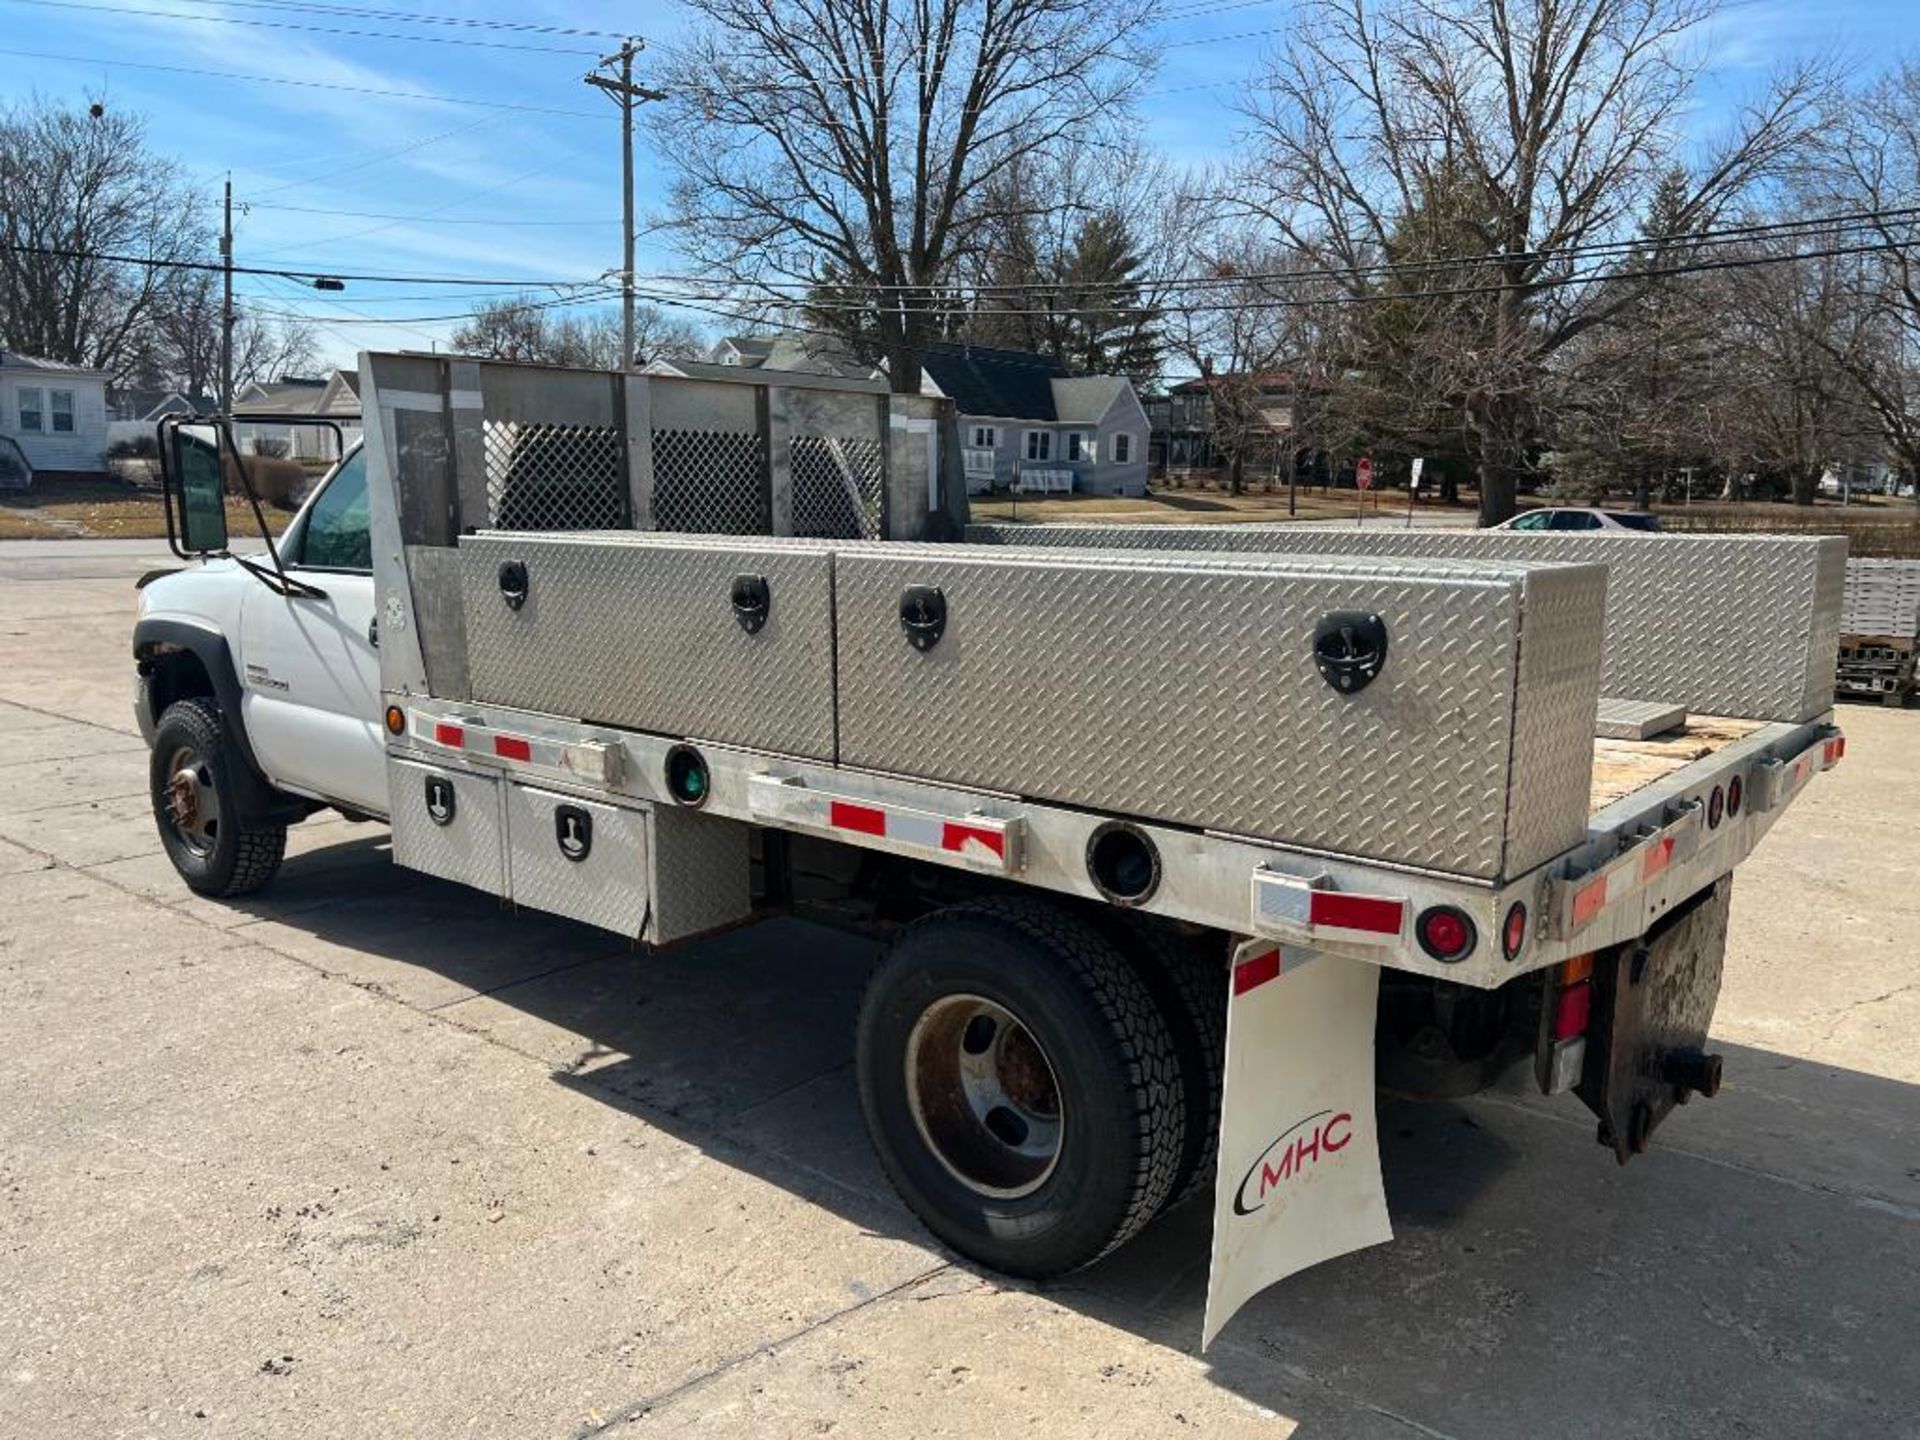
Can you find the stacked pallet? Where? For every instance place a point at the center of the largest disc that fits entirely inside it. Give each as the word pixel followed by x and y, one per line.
pixel 1879 624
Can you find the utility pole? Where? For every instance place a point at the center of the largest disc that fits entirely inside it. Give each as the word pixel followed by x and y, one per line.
pixel 226 305
pixel 614 77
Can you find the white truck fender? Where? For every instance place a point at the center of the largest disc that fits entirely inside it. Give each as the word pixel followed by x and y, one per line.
pixel 1299 1175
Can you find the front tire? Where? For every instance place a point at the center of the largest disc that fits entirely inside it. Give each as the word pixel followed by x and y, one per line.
pixel 196 806
pixel 1020 1086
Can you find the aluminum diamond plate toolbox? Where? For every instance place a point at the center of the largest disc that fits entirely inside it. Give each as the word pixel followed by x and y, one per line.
pixel 1188 692
pixel 646 632
pixel 1721 624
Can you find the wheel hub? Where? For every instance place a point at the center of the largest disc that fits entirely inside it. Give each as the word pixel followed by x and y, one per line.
pixel 192 807
pixel 984 1096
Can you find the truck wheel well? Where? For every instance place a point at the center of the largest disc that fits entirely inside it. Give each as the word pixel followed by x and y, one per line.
pixel 174 674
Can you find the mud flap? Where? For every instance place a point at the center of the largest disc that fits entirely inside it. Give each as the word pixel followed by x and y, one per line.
pixel 1299 1175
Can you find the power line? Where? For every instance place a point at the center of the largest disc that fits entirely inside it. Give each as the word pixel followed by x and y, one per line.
pixel 519 46
pixel 1611 249
pixel 360 12
pixel 376 158
pixel 296 274
pixel 438 220
pixel 424 97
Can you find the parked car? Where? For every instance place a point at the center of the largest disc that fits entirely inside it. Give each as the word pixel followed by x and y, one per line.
pixel 1562 517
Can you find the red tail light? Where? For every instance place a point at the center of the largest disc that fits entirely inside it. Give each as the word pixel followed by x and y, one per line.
pixel 1513 931
pixel 1445 933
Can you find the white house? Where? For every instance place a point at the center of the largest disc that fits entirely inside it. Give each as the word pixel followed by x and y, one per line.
pixel 56 414
pixel 335 397
pixel 1024 421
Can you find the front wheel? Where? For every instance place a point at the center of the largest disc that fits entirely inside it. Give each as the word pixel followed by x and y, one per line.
pixel 1021 1088
pixel 195 805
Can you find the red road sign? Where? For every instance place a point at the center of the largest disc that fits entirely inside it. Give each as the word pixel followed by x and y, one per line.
pixel 1363 473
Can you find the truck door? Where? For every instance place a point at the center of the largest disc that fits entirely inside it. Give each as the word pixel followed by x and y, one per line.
pixel 310 671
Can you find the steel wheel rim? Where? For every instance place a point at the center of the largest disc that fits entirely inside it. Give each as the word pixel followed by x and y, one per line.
pixel 189 802
pixel 985 1098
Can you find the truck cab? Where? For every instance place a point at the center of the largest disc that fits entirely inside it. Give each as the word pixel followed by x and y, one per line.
pixel 286 679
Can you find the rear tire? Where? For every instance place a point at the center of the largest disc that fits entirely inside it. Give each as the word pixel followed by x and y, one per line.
pixel 1020 1086
pixel 196 806
pixel 1188 981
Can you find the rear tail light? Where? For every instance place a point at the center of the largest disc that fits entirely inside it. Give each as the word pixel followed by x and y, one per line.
pixel 1446 933
pixel 1513 931
pixel 1716 807
pixel 1736 792
pixel 1573 1000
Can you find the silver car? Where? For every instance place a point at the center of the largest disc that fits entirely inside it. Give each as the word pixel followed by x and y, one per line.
pixel 1566 517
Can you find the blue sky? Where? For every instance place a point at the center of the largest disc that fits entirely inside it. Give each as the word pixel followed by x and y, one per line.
pixel 345 180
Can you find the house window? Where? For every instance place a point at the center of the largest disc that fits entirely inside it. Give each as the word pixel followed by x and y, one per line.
pixel 62 409
pixel 1122 448
pixel 33 416
pixel 985 437
pixel 1077 448
pixel 1039 444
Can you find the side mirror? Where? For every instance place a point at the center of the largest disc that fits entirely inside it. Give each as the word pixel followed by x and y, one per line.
pixel 199 498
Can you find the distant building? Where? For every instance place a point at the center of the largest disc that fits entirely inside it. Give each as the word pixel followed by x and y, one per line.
pixel 1024 421
pixel 52 415
pixel 334 396
pixel 1183 438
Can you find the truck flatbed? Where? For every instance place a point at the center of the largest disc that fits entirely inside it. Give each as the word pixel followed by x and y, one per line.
pixel 1626 767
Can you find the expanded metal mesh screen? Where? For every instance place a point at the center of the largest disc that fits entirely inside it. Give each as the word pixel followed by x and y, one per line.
pixel 710 482
pixel 837 485
pixel 554 477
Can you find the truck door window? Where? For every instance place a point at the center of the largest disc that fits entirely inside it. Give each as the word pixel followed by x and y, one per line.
pixel 336 535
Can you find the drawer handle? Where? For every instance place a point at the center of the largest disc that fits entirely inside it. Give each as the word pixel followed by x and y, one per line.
pixel 752 599
pixel 573 831
pixel 923 615
pixel 1349 647
pixel 513 583
pixel 440 800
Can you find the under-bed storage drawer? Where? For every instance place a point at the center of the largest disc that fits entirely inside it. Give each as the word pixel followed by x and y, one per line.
pixel 447 822
pixel 579 858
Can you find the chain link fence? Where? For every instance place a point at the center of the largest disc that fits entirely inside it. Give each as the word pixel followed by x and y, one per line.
pixel 554 477
pixel 710 481
pixel 837 486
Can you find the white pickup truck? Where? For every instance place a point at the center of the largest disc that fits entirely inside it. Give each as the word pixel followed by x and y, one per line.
pixel 1180 838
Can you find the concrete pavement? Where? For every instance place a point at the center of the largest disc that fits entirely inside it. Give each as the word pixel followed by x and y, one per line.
pixel 365 1155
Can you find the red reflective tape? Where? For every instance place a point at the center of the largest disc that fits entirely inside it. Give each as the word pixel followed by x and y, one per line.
pixel 1590 901
pixel 1658 856
pixel 450 735
pixel 866 819
pixel 512 747
pixel 957 836
pixel 1356 912
pixel 1257 971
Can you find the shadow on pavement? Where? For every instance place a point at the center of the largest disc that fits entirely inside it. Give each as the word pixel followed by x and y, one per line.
pixel 1758 1274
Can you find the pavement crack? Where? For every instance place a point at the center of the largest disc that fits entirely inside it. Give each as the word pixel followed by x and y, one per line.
pixel 626 1415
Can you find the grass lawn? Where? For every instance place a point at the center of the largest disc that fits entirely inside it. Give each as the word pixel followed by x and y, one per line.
pixel 60 509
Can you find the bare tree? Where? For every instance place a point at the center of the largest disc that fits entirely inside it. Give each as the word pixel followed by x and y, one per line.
pixel 844 146
pixel 78 190
pixel 1236 331
pixel 1554 118
pixel 526 329
pixel 1872 167
pixel 182 347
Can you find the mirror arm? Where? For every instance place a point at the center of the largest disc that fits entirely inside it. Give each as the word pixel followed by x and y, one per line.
pixel 277 581
pixel 287 585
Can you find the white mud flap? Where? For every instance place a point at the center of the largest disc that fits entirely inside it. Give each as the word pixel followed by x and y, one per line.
pixel 1299 1177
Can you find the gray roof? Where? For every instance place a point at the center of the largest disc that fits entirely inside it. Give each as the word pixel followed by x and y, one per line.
pixel 812 354
pixel 14 360
pixel 1085 399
